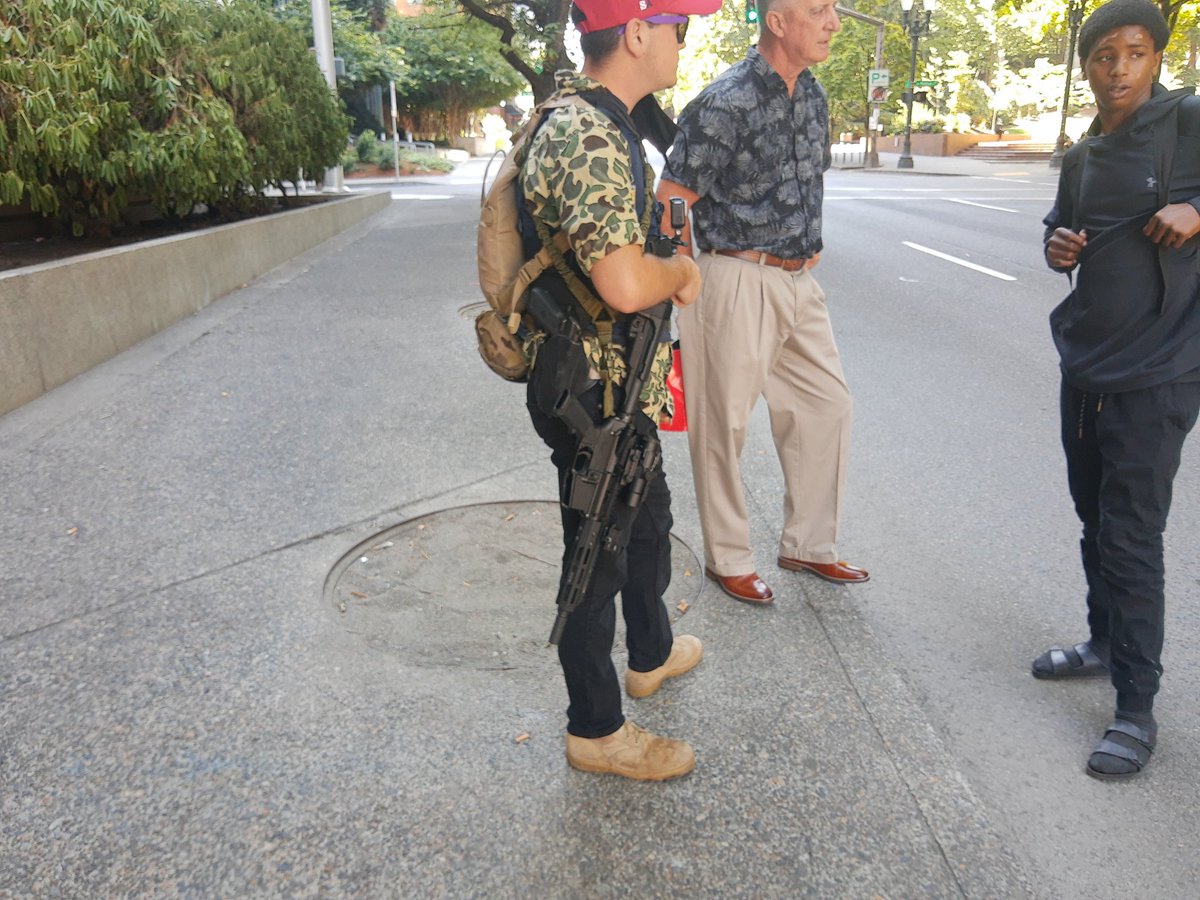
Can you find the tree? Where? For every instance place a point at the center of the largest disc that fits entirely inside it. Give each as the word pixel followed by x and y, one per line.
pixel 968 54
pixel 1171 10
pixel 998 58
pixel 367 62
pixel 281 103
pixel 851 57
pixel 108 102
pixel 1183 51
pixel 713 44
pixel 366 58
pixel 453 66
pixel 532 37
pixel 376 11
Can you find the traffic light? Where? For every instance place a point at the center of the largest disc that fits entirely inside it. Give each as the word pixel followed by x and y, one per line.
pixel 752 12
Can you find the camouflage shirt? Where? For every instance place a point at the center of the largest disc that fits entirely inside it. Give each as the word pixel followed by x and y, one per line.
pixel 578 178
pixel 757 158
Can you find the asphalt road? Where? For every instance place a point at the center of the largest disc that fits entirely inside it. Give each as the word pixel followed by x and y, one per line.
pixel 190 706
pixel 958 505
pixel 177 705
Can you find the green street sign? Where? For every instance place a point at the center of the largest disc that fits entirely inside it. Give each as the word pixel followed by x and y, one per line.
pixel 925 83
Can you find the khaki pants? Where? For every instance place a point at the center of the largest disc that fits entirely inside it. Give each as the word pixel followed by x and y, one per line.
pixel 759 331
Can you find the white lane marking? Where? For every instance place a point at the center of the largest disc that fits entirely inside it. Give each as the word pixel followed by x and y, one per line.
pixel 959 262
pixel 1008 197
pixel 980 205
pixel 996 187
pixel 396 196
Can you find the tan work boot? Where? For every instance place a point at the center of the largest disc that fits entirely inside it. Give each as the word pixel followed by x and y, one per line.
pixel 685 653
pixel 631 752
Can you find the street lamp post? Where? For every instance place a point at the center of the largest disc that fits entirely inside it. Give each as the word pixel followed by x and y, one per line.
pixel 1074 19
pixel 323 44
pixel 915 24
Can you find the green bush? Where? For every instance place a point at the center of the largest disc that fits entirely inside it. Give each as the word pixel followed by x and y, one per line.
pixel 369 154
pixel 365 147
pixel 291 120
pixel 425 161
pixel 181 102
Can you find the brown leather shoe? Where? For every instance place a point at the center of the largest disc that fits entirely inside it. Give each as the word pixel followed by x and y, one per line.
pixel 686 651
pixel 747 588
pixel 631 752
pixel 837 572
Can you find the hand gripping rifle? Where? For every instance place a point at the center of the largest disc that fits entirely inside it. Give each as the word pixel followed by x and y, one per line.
pixel 618 458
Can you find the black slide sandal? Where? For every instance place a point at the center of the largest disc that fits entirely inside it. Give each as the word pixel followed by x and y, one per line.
pixel 1080 661
pixel 1135 751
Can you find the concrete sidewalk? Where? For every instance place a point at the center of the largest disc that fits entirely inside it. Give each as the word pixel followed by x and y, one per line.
pixel 275 594
pixel 471 172
pixel 956 165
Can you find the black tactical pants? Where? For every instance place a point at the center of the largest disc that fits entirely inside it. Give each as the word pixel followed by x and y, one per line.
pixel 641 575
pixel 1122 455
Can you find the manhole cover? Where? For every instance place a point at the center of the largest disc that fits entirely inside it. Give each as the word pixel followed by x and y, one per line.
pixel 471 586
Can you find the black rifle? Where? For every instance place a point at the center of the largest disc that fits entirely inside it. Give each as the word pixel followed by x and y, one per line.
pixel 617 458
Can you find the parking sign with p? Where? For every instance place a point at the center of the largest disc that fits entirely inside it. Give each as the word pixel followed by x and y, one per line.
pixel 877 85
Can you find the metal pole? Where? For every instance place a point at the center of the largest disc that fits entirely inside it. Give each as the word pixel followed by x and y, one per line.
pixel 873 133
pixel 872 161
pixel 395 129
pixel 906 160
pixel 1074 16
pixel 323 44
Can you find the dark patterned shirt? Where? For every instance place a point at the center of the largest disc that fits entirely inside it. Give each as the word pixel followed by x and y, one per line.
pixel 756 157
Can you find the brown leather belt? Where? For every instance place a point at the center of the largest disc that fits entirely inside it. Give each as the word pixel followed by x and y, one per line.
pixel 765 259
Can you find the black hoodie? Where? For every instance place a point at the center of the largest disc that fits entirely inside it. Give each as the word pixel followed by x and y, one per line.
pixel 1133 319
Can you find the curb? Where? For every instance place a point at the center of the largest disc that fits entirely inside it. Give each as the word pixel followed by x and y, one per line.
pixel 59 319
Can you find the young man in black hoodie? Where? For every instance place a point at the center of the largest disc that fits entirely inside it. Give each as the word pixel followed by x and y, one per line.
pixel 1126 218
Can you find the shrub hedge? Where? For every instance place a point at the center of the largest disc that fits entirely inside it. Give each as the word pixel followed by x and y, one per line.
pixel 179 102
pixel 371 155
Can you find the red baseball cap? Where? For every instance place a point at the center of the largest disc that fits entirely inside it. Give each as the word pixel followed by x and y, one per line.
pixel 601 14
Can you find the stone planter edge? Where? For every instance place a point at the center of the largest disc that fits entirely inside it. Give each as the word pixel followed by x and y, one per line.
pixel 59 319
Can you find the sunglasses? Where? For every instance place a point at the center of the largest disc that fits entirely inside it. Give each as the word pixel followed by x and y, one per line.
pixel 680 23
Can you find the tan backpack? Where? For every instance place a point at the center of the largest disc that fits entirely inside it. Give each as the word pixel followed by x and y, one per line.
pixel 505 275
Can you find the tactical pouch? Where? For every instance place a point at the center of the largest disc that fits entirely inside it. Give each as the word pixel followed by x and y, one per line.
pixel 561 369
pixel 500 346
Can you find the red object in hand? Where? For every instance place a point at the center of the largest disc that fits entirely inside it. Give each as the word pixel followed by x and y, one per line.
pixel 675 385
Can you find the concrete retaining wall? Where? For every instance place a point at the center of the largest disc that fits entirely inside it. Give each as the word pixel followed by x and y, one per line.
pixel 943 144
pixel 60 319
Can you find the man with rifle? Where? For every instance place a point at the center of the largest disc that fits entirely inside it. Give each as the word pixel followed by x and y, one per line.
pixel 598 379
